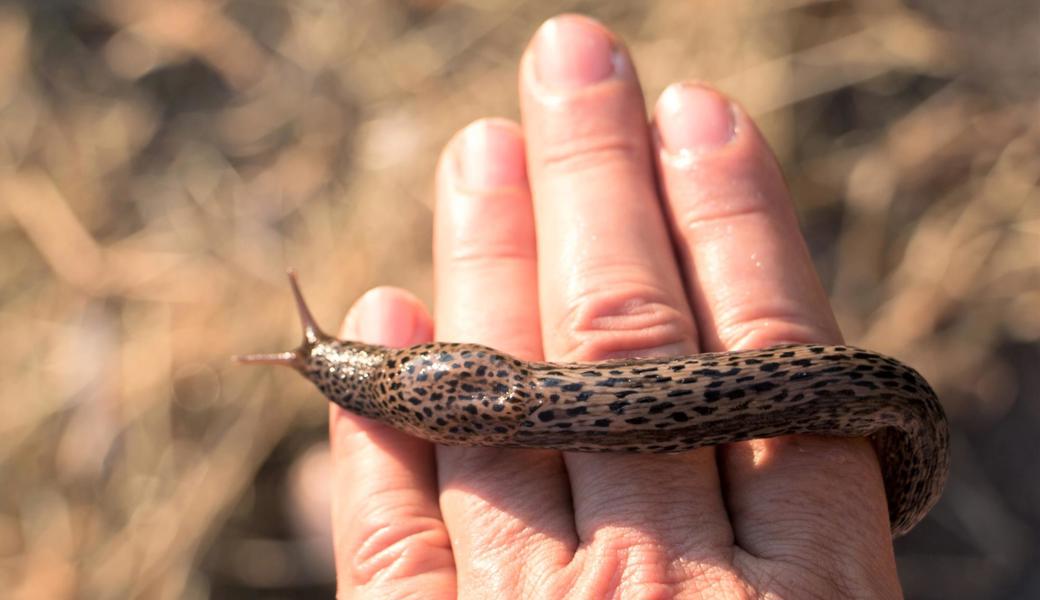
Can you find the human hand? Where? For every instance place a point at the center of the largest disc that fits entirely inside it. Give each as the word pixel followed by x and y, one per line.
pixel 622 239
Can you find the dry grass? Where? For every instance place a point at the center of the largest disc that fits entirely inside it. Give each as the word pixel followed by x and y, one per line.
pixel 163 162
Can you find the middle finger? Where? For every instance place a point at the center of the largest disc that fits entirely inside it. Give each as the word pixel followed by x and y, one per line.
pixel 609 283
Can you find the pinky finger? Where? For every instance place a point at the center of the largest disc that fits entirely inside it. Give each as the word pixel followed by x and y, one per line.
pixel 388 535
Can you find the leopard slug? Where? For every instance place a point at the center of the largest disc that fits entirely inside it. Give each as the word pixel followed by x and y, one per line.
pixel 472 395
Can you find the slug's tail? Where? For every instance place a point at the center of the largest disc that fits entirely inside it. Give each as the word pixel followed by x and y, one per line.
pixel 312 334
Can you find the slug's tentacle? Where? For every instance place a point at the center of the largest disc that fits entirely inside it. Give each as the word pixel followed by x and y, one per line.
pixel 288 359
pixel 312 334
pixel 465 394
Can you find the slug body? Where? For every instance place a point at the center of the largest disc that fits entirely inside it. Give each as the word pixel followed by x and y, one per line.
pixel 466 394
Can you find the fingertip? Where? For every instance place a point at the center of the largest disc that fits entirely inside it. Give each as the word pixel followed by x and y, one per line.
pixel 487 154
pixel 388 316
pixel 692 117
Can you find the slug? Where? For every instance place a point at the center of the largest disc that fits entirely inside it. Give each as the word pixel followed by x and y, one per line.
pixel 472 395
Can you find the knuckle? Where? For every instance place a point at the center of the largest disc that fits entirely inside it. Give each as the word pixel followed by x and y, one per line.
pixel 489 255
pixel 745 327
pixel 623 562
pixel 717 209
pixel 584 153
pixel 748 186
pixel 631 320
pixel 487 230
pixel 390 548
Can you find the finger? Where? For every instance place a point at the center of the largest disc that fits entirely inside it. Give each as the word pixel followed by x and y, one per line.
pixel 389 539
pixel 610 286
pixel 753 284
pixel 508 511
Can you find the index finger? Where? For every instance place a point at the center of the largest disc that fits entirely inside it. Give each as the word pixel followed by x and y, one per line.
pixel 388 535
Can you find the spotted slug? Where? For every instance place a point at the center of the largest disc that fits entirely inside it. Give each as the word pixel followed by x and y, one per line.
pixel 472 395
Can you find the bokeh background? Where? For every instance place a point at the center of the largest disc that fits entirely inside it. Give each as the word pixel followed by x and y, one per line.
pixel 162 163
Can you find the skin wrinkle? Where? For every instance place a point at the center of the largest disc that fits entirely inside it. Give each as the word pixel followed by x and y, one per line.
pixel 768 331
pixel 486 252
pixel 595 155
pixel 728 182
pixel 775 581
pixel 696 222
pixel 503 570
pixel 386 509
pixel 627 320
pixel 634 548
pixel 796 519
pixel 616 567
pixel 479 250
pixel 515 566
pixel 389 548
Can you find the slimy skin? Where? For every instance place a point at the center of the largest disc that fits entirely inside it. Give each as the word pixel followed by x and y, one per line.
pixel 472 395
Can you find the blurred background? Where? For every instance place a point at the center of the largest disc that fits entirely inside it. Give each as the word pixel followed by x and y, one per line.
pixel 162 163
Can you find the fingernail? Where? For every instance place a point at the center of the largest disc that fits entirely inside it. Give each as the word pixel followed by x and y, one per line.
pixel 572 51
pixel 693 118
pixel 382 317
pixel 491 155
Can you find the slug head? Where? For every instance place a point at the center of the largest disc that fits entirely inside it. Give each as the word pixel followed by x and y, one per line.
pixel 342 370
pixel 312 336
